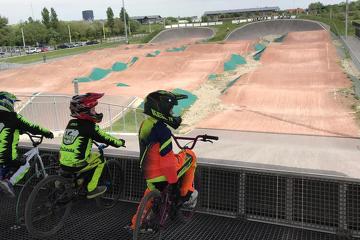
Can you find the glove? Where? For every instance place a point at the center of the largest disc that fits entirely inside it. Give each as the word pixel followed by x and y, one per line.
pixel 49 135
pixel 123 142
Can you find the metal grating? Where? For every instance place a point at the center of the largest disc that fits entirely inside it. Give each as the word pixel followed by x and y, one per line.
pixel 316 203
pixel 353 207
pixel 219 191
pixel 86 221
pixel 265 196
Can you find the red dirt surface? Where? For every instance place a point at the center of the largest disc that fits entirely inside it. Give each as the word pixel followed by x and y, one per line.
pixel 168 70
pixel 293 91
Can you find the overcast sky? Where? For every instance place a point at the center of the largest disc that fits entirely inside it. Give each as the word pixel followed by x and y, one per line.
pixel 17 10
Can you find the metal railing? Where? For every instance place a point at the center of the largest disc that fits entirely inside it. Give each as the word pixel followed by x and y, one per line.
pixel 353 55
pixel 52 111
pixel 304 201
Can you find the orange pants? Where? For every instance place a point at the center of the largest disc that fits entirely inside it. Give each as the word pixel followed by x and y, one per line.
pixel 186 166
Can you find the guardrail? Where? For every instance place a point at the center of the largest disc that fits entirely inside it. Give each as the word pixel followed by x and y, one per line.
pixel 353 55
pixel 52 111
pixel 301 201
pixel 203 24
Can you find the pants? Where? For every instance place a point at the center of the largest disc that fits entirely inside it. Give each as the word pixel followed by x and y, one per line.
pixel 14 170
pixel 94 168
pixel 186 167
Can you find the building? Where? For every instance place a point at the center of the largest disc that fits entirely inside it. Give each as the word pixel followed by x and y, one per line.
pixel 357 29
pixel 148 19
pixel 88 15
pixel 295 10
pixel 241 13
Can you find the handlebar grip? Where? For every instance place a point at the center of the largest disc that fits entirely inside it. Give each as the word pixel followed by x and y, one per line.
pixel 208 137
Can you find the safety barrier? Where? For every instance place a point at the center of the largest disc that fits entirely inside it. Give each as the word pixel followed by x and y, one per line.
pixel 321 203
pixel 52 111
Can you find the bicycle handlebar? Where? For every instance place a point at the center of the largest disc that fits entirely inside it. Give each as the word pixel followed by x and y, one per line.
pixel 203 138
pixel 35 139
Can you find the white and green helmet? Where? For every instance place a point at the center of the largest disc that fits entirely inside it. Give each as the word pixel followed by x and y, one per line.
pixel 7 101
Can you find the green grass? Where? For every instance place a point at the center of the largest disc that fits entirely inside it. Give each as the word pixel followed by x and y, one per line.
pixel 59 53
pixel 336 26
pixel 221 31
pixel 129 120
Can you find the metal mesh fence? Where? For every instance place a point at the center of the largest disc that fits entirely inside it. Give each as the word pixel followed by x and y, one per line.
pixel 353 207
pixel 316 202
pixel 265 196
pixel 304 202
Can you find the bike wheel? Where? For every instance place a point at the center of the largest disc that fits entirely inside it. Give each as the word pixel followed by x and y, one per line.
pixel 48 206
pixel 113 178
pixel 146 218
pixel 25 191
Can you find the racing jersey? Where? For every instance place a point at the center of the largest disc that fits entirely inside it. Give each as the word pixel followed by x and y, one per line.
pixel 78 139
pixel 11 126
pixel 156 155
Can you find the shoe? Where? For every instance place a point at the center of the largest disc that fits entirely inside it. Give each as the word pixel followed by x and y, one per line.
pixel 7 187
pixel 192 200
pixel 97 192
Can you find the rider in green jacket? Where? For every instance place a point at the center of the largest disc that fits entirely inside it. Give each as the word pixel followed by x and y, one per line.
pixel 11 126
pixel 75 150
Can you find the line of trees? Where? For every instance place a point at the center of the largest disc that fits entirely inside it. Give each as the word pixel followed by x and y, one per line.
pixel 336 10
pixel 52 31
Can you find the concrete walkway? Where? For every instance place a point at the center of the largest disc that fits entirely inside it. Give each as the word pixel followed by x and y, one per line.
pixel 353 43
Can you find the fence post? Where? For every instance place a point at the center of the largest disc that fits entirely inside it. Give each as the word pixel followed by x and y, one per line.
pixel 57 127
pixel 342 207
pixel 289 199
pixel 110 118
pixel 242 182
pixel 76 86
pixel 135 119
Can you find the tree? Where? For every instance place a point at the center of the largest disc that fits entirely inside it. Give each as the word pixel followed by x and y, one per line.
pixel 54 21
pixel 45 17
pixel 4 30
pixel 110 19
pixel 122 15
pixel 316 7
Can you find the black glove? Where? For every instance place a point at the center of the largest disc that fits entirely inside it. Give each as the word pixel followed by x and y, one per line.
pixel 123 142
pixel 49 135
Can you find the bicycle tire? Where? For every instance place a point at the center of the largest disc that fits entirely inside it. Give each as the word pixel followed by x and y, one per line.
pixel 137 235
pixel 32 200
pixel 24 193
pixel 113 178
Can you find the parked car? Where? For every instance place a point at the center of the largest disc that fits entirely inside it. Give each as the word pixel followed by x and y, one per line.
pixel 2 53
pixel 92 42
pixel 63 46
pixel 32 50
pixel 44 49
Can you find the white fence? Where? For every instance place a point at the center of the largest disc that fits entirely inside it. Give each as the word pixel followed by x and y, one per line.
pixel 203 24
pixel 53 112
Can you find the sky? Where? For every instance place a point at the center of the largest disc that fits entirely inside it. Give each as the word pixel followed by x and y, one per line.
pixel 20 10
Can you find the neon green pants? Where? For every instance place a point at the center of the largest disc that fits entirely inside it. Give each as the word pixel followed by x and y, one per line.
pixel 93 161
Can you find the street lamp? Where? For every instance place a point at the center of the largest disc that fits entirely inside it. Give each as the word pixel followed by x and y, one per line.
pixel 346 18
pixel 126 35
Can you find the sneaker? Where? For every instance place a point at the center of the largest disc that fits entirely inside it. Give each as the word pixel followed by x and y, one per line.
pixel 97 192
pixel 7 187
pixel 191 203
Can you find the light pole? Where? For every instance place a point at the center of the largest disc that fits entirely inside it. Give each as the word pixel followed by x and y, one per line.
pixel 104 30
pixel 126 35
pixel 346 18
pixel 23 37
pixel 69 33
